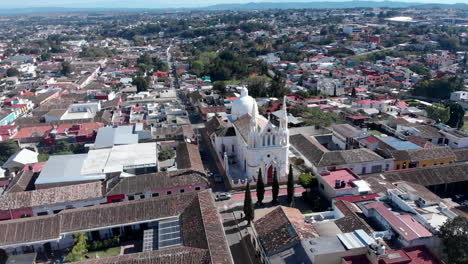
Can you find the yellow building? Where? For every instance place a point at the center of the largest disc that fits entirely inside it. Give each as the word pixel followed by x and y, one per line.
pixel 424 157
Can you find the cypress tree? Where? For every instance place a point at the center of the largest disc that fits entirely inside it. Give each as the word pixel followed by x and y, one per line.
pixel 260 188
pixel 290 185
pixel 275 187
pixel 353 92
pixel 248 206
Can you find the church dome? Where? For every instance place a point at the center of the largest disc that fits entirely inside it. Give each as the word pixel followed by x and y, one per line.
pixel 245 104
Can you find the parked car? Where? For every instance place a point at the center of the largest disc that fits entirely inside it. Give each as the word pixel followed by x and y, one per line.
pixel 223 196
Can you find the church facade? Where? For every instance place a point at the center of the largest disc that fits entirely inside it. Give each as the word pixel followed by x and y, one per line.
pixel 249 142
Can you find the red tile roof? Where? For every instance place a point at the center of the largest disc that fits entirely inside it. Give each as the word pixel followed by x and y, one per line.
pixel 357 117
pixel 33 131
pixel 405 225
pixel 358 198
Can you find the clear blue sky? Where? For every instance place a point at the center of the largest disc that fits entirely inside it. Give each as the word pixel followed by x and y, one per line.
pixel 157 3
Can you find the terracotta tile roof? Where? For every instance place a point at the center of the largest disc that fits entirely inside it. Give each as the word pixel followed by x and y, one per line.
pixel 427 176
pixel 16 200
pixel 351 220
pixel 215 124
pixel 188 157
pixel 200 224
pixel 282 228
pixel 462 154
pixel 424 154
pixel 157 181
pixel 20 182
pixel 33 131
pixel 322 157
pixel 243 125
pixel 29 230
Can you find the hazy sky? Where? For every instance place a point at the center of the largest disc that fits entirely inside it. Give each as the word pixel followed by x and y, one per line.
pixel 157 3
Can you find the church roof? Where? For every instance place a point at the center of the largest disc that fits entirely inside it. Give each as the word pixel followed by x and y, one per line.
pixel 243 125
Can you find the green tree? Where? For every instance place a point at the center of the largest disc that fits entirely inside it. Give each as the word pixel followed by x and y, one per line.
pixel 79 249
pixel 165 154
pixel 454 236
pixel 260 187
pixel 141 83
pixel 290 184
pixel 62 146
pixel 438 113
pixel 7 148
pixel 198 67
pixel 219 86
pixel 275 187
pixel 66 68
pixel 307 180
pixel 457 114
pixel 145 59
pixel 46 56
pixel 12 72
pixel 249 209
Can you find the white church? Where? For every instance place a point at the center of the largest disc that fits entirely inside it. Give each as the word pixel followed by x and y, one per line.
pixel 249 142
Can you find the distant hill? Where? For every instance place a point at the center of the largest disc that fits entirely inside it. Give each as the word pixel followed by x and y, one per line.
pixel 320 5
pixel 239 7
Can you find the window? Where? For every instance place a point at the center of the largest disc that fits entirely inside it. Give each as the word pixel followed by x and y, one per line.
pixel 131 197
pixel 169 192
pixel 387 167
pixel 142 196
pixel 441 163
pixel 42 213
pixel 197 188
pixel 57 211
pixel 155 195
pixel 232 148
pixel 182 190
pixel 397 167
pixel 364 170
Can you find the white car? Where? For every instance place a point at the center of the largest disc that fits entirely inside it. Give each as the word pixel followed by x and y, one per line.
pixel 223 196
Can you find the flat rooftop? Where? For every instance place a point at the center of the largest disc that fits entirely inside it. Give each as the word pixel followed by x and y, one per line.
pixel 399 144
pixel 340 175
pixel 66 168
pixel 120 157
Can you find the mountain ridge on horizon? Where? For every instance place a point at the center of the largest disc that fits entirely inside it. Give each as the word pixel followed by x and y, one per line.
pixel 238 7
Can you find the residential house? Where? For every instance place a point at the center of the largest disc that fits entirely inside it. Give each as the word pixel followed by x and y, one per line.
pixel 407 231
pixel 422 157
pixel 341 182
pixel 322 159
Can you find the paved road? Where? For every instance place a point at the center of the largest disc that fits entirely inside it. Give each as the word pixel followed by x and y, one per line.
pixel 283 191
pixel 236 231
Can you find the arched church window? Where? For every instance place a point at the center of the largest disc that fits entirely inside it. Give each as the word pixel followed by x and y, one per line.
pixel 269 140
pixel 263 140
pixel 274 140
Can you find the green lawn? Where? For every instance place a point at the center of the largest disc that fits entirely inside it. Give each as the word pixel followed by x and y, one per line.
pixel 465 127
pixel 115 251
pixel 375 132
